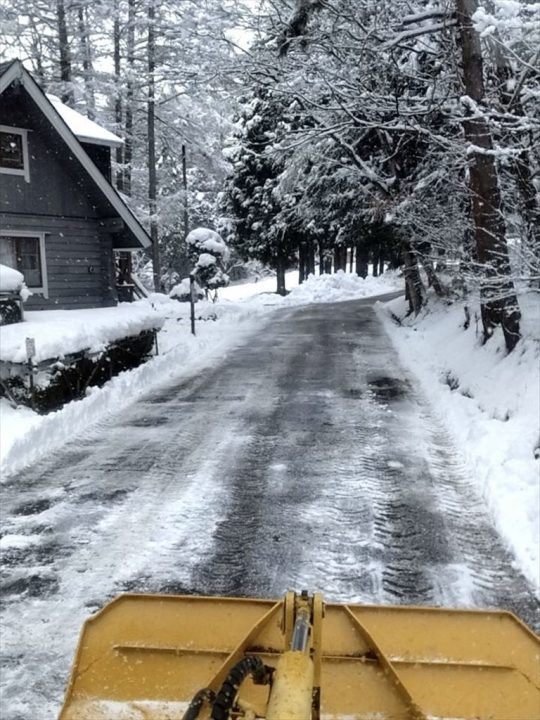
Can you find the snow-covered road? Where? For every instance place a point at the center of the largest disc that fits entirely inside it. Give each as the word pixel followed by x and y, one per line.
pixel 306 459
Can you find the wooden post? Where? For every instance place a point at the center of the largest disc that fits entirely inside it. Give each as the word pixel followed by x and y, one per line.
pixel 192 301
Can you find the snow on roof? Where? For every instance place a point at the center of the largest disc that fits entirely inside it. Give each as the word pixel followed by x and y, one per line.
pixel 85 129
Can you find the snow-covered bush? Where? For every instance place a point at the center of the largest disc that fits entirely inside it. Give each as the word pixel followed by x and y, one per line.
pixel 11 284
pixel 210 253
pixel 182 291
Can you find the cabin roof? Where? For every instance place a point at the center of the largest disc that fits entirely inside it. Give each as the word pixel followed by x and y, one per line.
pixel 14 71
pixel 85 129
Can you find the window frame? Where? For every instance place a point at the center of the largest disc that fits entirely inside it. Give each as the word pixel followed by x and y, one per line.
pixel 44 289
pixel 23 132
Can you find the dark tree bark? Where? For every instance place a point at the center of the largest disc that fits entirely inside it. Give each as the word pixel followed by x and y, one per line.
pixel 280 275
pixel 415 293
pixel 88 68
pixel 64 53
pixel 340 258
pixel 362 260
pixel 118 96
pixel 321 258
pixel 498 304
pixel 310 259
pixel 433 278
pixel 130 81
pixel 151 135
pixel 302 275
pixel 351 258
pixel 375 259
pixel 381 263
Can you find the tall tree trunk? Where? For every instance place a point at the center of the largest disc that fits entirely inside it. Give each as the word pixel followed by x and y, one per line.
pixel 340 258
pixel 414 286
pixel 130 81
pixel 64 54
pixel 185 191
pixel 498 302
pixel 280 275
pixel 351 258
pixel 310 259
pixel 118 96
pixel 301 263
pixel 321 258
pixel 362 260
pixel 375 259
pixel 151 134
pixel 88 69
pixel 381 263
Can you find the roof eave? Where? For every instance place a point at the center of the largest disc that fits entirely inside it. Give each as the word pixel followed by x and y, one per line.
pixel 99 141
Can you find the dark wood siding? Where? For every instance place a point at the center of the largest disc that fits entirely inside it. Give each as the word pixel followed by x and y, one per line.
pixel 100 155
pixel 79 258
pixel 58 186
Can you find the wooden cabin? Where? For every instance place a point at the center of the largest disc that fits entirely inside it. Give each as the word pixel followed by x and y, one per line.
pixel 61 220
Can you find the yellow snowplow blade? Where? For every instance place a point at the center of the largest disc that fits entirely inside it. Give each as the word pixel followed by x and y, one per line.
pixel 146 657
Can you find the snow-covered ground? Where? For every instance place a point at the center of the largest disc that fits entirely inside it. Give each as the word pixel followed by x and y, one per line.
pixel 490 401
pixel 26 436
pixel 60 332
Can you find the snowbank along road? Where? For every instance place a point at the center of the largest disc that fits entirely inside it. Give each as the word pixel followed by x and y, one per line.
pixel 306 459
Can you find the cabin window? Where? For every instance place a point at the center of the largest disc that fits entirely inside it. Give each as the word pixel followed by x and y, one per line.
pixel 26 253
pixel 14 151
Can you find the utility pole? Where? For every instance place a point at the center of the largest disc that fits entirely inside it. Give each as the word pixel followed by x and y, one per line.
pixel 184 185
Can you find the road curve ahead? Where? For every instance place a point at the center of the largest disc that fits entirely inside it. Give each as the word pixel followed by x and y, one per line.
pixel 306 459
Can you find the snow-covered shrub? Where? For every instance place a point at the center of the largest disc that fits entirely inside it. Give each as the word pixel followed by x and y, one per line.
pixel 182 291
pixel 210 254
pixel 13 291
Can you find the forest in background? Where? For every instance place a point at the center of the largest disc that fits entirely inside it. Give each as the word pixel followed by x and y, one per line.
pixel 316 131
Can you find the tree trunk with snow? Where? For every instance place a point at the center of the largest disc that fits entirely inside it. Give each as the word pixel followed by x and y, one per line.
pixel 498 303
pixel 129 112
pixel 151 135
pixel 415 288
pixel 88 68
pixel 64 53
pixel 118 95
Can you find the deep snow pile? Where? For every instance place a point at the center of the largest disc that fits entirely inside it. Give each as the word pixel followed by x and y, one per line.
pixel 61 332
pixel 490 402
pixel 341 286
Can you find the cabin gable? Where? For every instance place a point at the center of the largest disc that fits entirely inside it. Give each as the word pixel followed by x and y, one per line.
pixel 60 220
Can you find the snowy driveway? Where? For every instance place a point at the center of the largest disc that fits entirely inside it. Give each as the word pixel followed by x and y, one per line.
pixel 306 459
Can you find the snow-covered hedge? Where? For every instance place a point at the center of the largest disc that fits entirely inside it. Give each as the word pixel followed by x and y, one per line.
pixel 62 332
pixel 12 281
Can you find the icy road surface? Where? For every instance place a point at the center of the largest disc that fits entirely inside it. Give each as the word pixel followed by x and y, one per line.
pixel 306 460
